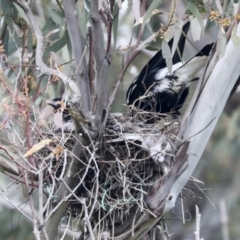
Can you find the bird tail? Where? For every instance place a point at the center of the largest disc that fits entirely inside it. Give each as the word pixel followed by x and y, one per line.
pixel 193 69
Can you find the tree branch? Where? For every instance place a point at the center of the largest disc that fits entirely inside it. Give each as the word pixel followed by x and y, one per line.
pixel 101 61
pixel 209 106
pixel 76 39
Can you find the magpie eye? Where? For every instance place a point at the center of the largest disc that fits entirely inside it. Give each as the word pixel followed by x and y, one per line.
pixel 170 89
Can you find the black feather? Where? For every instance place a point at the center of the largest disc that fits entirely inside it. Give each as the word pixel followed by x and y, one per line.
pixel 159 91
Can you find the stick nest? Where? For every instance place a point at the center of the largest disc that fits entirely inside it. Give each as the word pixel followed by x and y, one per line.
pixel 121 167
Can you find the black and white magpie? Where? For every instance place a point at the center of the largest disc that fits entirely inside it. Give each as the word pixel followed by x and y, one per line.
pixel 59 105
pixel 157 90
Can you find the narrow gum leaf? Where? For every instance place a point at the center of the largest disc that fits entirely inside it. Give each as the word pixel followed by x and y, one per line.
pixel 194 10
pixel 167 55
pixel 155 4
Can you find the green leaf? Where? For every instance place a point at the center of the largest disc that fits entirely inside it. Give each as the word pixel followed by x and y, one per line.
pixel 5 41
pixel 6 7
pixel 59 44
pixel 55 17
pixel 234 37
pixel 21 13
pixel 48 27
pixel 194 10
pixel 150 48
pixel 53 36
pixel 115 23
pixel 149 28
pixel 14 44
pixel 155 4
pixel 221 44
pixel 176 37
pixel 167 55
pixel 9 23
pixel 62 30
pixel 196 29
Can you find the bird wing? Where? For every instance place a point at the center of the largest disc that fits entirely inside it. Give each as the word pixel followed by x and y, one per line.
pixel 146 77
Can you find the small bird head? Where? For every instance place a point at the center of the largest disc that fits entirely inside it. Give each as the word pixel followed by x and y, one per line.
pixel 58 104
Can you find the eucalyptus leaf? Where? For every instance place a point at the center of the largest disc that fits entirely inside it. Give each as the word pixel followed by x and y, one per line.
pixel 167 55
pixel 194 10
pixel 5 41
pixel 6 7
pixel 234 37
pixel 48 27
pixel 149 27
pixel 14 44
pixel 62 30
pixel 55 17
pixel 176 37
pixel 56 46
pixel 221 44
pixel 53 36
pixel 9 23
pixel 150 48
pixel 21 13
pixel 155 4
pixel 196 29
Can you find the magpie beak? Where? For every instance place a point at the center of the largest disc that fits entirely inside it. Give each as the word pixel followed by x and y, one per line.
pixel 157 90
pixel 59 105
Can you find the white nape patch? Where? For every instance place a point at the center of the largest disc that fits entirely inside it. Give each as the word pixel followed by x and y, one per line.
pixel 162 73
pixel 130 92
pixel 133 70
pixel 162 85
pixel 158 147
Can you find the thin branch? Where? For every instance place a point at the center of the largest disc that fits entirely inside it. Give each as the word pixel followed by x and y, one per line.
pixel 40 50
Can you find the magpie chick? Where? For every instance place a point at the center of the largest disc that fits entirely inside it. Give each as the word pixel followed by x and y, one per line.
pixel 157 90
pixel 59 105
